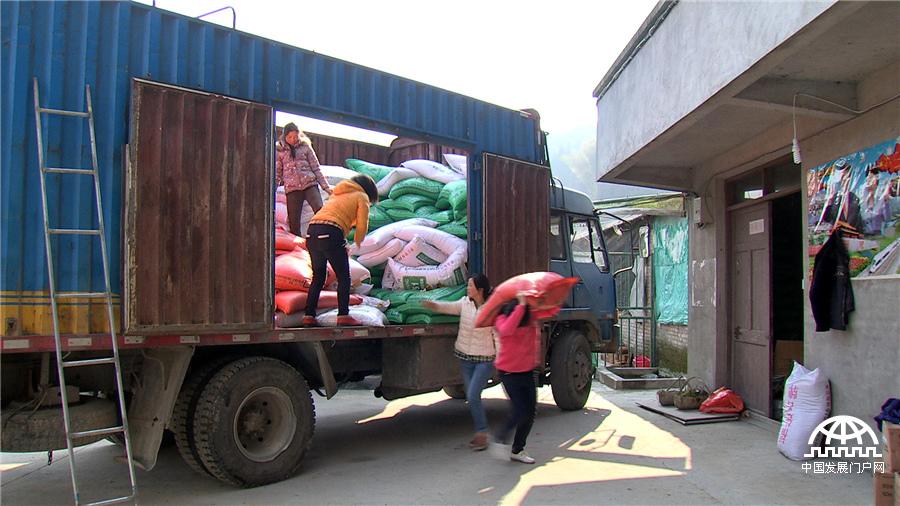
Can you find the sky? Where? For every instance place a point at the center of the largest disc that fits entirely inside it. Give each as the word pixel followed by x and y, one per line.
pixel 543 55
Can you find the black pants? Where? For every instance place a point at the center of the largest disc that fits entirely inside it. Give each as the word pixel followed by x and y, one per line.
pixel 326 244
pixel 522 391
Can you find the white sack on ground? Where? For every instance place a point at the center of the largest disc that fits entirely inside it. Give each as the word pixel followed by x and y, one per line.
pixel 806 404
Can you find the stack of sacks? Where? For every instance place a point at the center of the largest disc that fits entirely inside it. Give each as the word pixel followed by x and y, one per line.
pixel 293 271
pixel 416 247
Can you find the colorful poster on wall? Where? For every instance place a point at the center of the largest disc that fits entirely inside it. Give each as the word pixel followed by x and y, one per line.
pixel 860 194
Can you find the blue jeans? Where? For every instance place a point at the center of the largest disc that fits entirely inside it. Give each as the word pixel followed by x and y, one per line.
pixel 475 376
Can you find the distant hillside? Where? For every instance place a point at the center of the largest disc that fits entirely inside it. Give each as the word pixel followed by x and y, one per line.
pixel 572 155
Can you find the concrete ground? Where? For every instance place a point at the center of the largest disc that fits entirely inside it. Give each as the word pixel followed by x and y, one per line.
pixel 413 451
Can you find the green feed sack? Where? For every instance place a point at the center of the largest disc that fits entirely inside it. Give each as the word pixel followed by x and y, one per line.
pixel 443 202
pixel 385 204
pixel 396 298
pixel 351 235
pixel 379 293
pixel 413 308
pixel 378 270
pixel 441 217
pixel 424 319
pixel 456 194
pixel 400 214
pixel 456 229
pixel 424 211
pixel 378 218
pixel 394 316
pixel 446 294
pixel 417 186
pixel 375 171
pixel 412 202
pixel 375 280
pixel 461 215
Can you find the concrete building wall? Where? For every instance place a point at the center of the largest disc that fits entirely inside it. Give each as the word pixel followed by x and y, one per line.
pixel 643 102
pixel 862 363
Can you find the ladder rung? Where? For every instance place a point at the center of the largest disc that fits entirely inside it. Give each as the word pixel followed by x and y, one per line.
pixel 97 432
pixel 117 500
pixel 89 361
pixel 63 113
pixel 74 231
pixel 81 295
pixel 61 170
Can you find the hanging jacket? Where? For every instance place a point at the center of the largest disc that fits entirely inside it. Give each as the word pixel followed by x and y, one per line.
pixel 830 293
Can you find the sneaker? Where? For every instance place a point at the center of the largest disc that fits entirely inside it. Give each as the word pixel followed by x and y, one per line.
pixel 521 457
pixel 348 321
pixel 309 321
pixel 499 451
pixel 479 442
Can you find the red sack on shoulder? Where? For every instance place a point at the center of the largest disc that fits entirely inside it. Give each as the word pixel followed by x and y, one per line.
pixel 723 400
pixel 546 293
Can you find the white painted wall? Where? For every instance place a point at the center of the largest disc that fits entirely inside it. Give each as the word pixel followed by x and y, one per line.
pixel 695 52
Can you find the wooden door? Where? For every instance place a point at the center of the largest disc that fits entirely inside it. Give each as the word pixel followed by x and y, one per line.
pixel 751 320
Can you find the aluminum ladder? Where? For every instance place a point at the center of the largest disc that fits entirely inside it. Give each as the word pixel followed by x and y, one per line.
pixel 62 364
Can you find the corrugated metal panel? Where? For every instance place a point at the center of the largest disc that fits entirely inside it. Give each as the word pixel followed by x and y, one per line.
pixel 198 224
pixel 106 44
pixel 515 200
pixel 333 150
pixel 409 149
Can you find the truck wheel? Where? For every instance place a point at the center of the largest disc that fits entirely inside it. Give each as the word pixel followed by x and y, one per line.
pixel 570 370
pixel 455 391
pixel 254 422
pixel 182 422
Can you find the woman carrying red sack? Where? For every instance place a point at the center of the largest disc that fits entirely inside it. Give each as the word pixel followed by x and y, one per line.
pixel 297 168
pixel 518 357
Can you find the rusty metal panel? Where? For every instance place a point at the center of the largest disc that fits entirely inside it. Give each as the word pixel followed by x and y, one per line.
pixel 334 150
pixel 516 217
pixel 415 365
pixel 403 149
pixel 198 226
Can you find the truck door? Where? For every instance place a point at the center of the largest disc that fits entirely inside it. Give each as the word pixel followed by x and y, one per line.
pixel 596 288
pixel 198 225
pixel 516 216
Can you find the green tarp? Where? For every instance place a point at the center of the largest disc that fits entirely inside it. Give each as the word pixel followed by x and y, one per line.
pixel 670 269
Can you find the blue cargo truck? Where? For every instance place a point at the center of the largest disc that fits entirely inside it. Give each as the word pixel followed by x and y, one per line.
pixel 183 114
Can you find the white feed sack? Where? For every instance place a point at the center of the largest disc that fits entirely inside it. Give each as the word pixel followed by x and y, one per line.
pixel 418 253
pixel 450 272
pixel 381 255
pixel 334 174
pixel 807 402
pixel 459 163
pixel 368 316
pixel 378 238
pixel 399 174
pixel 433 170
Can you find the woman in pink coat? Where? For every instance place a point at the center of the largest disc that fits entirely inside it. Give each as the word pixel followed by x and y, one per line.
pixel 297 168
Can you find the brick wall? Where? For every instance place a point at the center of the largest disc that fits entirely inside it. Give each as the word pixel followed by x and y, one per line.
pixel 671 343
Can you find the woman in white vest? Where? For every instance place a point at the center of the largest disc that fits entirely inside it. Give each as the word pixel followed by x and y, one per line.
pixel 475 348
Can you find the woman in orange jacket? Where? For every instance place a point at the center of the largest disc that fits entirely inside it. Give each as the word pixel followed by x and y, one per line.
pixel 326 242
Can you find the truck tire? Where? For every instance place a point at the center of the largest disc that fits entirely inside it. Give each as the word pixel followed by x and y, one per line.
pixel 455 391
pixel 182 422
pixel 254 422
pixel 42 430
pixel 570 370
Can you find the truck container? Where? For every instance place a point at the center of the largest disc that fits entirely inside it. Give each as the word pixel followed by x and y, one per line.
pixel 184 114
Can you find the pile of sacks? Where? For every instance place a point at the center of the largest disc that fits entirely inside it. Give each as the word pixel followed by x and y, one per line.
pixel 415 249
